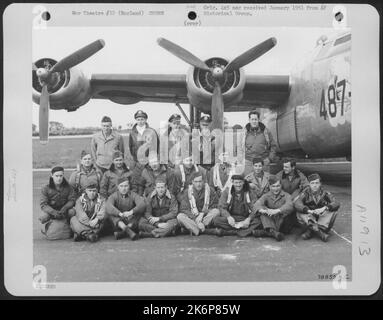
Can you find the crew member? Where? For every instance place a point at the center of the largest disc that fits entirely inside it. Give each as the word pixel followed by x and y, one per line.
pixel 151 172
pixel 316 209
pixel 236 206
pixel 85 172
pixel 143 140
pixel 118 169
pixel 199 206
pixel 104 143
pixel 220 175
pixel 258 179
pixel 125 208
pixel 90 214
pixel 161 212
pixel 183 176
pixel 273 208
pixel 259 142
pixel 56 202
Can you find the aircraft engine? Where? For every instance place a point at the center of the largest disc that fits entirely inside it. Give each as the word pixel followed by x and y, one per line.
pixel 201 83
pixel 69 89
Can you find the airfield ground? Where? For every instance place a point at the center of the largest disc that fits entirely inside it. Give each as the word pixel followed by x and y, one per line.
pixel 203 258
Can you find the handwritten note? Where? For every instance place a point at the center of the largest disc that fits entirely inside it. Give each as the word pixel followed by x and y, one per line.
pixel 364 247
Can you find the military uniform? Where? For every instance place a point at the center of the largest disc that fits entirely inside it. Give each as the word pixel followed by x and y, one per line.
pixel 183 178
pixel 149 177
pixel 220 177
pixel 240 206
pixel 258 184
pixel 310 201
pixel 188 213
pixel 294 183
pixel 281 201
pixel 81 177
pixel 166 209
pixel 87 210
pixel 118 203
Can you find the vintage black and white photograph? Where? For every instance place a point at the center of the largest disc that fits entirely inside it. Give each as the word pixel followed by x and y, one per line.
pixel 193 156
pixel 175 155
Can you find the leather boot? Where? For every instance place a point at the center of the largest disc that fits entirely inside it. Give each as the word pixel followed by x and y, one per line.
pixel 229 232
pixel 276 235
pixel 213 231
pixel 131 234
pixel 119 235
pixel 143 234
pixel 307 234
pixel 92 237
pixel 260 233
pixel 322 235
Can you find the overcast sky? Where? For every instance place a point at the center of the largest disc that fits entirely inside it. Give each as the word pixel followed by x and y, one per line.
pixel 135 50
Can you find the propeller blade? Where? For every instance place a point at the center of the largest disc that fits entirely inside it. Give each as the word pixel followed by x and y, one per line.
pixel 217 108
pixel 182 54
pixel 251 54
pixel 79 56
pixel 44 115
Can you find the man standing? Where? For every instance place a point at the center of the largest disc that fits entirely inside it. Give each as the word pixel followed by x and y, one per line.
pixel 118 169
pixel 161 212
pixel 104 143
pixel 143 140
pixel 274 207
pixel 236 205
pixel 183 176
pixel 56 202
pixel 90 215
pixel 205 143
pixel 199 206
pixel 125 208
pixel 258 179
pixel 259 142
pixel 316 209
pixel 177 137
pixel 151 172
pixel 85 172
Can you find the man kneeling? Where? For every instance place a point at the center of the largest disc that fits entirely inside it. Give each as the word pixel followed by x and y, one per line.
pixel 316 209
pixel 198 206
pixel 274 207
pixel 90 214
pixel 236 205
pixel 161 212
pixel 125 208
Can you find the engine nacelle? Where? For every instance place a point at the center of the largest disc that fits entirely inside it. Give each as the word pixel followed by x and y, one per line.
pixel 200 85
pixel 71 88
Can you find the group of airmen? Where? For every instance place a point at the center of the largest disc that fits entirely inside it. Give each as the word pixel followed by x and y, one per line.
pixel 111 192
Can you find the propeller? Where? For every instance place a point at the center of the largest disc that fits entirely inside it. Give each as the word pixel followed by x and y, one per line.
pixel 47 78
pixel 218 72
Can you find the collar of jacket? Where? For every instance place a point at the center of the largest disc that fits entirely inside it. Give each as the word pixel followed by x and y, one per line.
pixel 53 186
pixel 295 174
pixel 162 168
pixel 127 195
pixel 81 169
pixel 320 193
pixel 135 127
pixel 261 127
pixel 276 197
pixel 124 167
pixel 110 137
pixel 167 194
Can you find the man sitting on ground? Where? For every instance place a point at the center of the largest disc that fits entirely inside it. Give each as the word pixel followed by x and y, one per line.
pixel 161 212
pixel 90 214
pixel 236 205
pixel 316 209
pixel 274 207
pixel 198 207
pixel 125 208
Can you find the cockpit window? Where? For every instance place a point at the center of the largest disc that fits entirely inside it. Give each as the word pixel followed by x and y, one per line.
pixel 342 39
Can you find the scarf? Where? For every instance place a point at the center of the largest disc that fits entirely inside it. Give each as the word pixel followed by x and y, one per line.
pixel 247 199
pixel 217 179
pixel 183 176
pixel 192 201
pixel 87 204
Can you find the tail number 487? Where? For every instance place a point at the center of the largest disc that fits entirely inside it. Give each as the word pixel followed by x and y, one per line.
pixel 332 100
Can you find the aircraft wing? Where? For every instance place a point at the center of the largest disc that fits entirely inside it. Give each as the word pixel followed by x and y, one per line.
pixel 259 91
pixel 263 91
pixel 132 88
